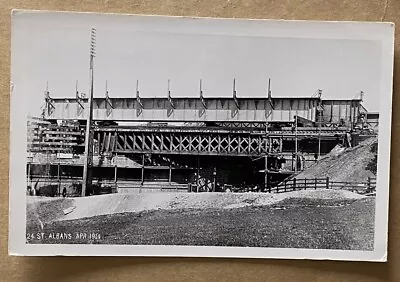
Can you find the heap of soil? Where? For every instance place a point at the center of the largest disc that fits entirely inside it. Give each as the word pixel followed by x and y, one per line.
pixel 346 164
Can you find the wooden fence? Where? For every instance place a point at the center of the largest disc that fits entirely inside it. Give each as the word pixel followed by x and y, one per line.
pixel 126 186
pixel 295 184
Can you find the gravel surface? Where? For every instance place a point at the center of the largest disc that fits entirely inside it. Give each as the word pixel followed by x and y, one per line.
pixel 121 203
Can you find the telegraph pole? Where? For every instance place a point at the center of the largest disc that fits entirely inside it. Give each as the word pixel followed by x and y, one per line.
pixel 88 158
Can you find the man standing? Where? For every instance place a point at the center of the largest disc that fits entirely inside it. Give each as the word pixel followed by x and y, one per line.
pixel 348 139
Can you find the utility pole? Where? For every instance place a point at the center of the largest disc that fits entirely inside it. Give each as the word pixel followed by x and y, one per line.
pixel 88 158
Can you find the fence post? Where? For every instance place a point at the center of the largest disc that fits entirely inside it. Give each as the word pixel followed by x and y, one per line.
pixel 305 183
pixel 285 184
pixel 294 184
pixel 327 183
pixel 315 183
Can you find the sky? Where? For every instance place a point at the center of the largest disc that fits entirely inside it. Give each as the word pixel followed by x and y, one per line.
pixel 55 49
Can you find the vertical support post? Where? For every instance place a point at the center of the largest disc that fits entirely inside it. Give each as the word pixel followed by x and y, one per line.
pixel 58 178
pixel 142 177
pixel 369 184
pixel 294 184
pixel 214 179
pixel 305 183
pixel 292 163
pixel 115 175
pixel 88 158
pixel 285 185
pixel 266 159
pixel 29 172
pixel 327 183
pixel 170 173
pixel 315 184
pixel 266 171
pixel 295 144
pixel 28 182
pixel 198 175
pixel 319 135
pixel 353 110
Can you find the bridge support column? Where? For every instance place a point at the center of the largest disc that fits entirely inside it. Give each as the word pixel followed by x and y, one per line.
pixel 170 174
pixel 115 177
pixel 142 177
pixel 214 179
pixel 198 175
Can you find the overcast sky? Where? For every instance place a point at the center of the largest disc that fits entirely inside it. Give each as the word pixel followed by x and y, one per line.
pixel 56 50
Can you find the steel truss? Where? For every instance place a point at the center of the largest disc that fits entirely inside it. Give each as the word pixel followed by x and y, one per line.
pixel 186 143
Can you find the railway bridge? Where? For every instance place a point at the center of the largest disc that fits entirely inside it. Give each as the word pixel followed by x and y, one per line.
pixel 236 135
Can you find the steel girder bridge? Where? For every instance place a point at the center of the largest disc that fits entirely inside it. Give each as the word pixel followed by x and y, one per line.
pixel 199 141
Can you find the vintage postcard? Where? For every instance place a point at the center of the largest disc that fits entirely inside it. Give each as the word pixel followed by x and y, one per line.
pixel 137 135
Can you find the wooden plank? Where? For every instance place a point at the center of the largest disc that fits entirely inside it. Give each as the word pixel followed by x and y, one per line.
pixel 63 132
pixel 51 149
pixel 60 138
pixel 44 143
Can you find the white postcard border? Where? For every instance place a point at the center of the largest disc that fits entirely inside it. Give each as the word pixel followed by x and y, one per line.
pixel 382 32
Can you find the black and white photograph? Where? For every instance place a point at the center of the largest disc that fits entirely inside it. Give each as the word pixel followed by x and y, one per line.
pixel 137 135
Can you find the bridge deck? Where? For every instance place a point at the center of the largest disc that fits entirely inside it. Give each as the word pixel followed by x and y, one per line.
pixel 184 109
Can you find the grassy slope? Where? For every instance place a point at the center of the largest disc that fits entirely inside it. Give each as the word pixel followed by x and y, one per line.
pixel 304 223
